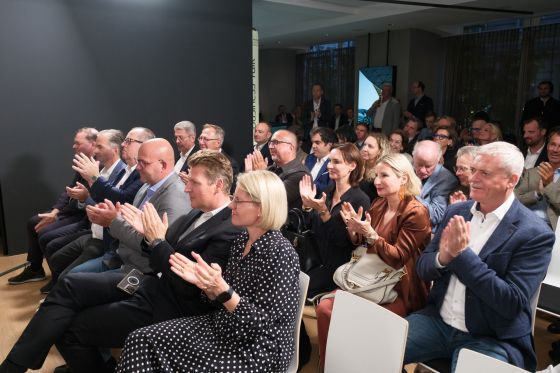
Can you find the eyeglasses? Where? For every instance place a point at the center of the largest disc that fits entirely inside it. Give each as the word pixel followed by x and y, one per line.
pixel 475 129
pixel 440 137
pixel 236 200
pixel 276 142
pixel 204 138
pixel 129 141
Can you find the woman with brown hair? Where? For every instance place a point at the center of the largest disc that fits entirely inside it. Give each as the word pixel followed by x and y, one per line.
pixel 375 146
pixel 397 228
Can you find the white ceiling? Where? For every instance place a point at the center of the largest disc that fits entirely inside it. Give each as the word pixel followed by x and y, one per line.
pixel 300 23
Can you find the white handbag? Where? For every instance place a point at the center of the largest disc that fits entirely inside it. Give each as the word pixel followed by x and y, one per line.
pixel 369 277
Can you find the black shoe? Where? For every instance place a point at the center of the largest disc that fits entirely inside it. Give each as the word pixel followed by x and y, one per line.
pixel 47 288
pixel 28 275
pixel 554 328
pixel 63 369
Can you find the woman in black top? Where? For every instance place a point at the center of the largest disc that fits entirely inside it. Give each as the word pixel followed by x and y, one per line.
pixel 375 146
pixel 346 168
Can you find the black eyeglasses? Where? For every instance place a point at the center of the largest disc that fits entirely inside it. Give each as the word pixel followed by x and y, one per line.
pixel 129 141
pixel 438 136
pixel 276 142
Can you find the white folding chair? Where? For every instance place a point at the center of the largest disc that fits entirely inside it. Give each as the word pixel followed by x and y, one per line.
pixel 470 361
pixel 303 285
pixel 364 337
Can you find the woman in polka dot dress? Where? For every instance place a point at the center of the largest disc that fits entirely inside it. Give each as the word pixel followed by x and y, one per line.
pixel 259 291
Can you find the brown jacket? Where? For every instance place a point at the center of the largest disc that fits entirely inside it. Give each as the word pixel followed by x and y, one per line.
pixel 400 243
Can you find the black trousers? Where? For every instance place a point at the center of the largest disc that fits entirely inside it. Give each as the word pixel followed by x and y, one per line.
pixel 86 311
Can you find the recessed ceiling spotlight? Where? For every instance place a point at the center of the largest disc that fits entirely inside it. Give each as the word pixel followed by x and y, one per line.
pixel 326 34
pixel 278 42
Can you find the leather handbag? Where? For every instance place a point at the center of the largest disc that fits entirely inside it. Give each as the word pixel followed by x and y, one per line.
pixel 303 239
pixel 369 277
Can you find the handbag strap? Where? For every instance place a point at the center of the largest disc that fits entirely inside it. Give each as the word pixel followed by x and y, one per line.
pixel 394 278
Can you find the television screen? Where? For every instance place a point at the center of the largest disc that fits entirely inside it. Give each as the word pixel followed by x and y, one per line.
pixel 370 81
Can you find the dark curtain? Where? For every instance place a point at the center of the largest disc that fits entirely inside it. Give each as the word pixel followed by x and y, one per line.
pixel 499 71
pixel 333 68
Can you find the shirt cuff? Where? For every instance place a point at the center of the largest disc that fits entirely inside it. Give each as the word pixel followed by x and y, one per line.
pixel 437 262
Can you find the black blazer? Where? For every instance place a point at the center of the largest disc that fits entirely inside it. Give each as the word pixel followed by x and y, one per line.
pixel 185 167
pixel 212 240
pixel 421 108
pixel 324 108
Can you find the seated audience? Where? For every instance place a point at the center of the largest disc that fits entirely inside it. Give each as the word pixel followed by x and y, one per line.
pixel 338 118
pixel 375 147
pixel 484 273
pixel 465 157
pixel 185 139
pixel 283 117
pixel 65 216
pixel 349 117
pixel 412 130
pixel 437 181
pixel 262 135
pixel 87 310
pixel 322 141
pixel 123 190
pixel 162 188
pixel 212 138
pixel 258 290
pixel 538 188
pixel 399 142
pixel 397 228
pixel 489 133
pixel 346 134
pixel 534 137
pixel 361 131
pixel 446 137
pixel 283 147
pixel 301 153
pixel 346 169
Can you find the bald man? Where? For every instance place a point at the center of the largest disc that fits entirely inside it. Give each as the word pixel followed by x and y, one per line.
pixel 283 150
pixel 162 187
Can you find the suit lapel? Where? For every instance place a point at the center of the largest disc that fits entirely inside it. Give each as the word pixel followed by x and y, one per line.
pixel 140 195
pixel 503 231
pixel 202 228
pixel 182 225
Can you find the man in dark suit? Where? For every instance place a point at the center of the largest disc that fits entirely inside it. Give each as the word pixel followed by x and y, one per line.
pixel 544 106
pixel 262 135
pixel 420 103
pixel 123 189
pixel 322 141
pixel 338 119
pixel 185 139
pixel 283 116
pixel 88 311
pixel 484 272
pixel 212 138
pixel 64 212
pixel 316 112
pixel 534 135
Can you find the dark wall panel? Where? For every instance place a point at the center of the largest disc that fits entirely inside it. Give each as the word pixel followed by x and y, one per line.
pixel 111 64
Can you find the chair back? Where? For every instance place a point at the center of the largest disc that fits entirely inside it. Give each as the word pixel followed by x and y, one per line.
pixel 470 361
pixel 303 285
pixel 363 335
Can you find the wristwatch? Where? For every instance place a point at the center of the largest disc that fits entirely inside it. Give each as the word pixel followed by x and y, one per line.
pixel 225 296
pixel 94 178
pixel 155 242
pixel 370 240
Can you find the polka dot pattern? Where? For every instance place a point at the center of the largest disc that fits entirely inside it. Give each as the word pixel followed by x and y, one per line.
pixel 256 337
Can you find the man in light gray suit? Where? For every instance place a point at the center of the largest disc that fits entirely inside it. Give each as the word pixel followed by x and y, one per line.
pixel 437 181
pixel 385 112
pixel 163 188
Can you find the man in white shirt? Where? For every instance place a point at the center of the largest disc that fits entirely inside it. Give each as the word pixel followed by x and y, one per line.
pixel 486 261
pixel 534 135
pixel 385 112
pixel 185 139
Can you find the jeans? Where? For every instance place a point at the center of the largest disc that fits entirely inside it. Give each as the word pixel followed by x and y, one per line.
pixel 430 337
pixel 93 265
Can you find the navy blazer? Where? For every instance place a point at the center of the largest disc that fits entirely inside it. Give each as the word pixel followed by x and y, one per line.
pixel 322 181
pixel 500 281
pixel 106 189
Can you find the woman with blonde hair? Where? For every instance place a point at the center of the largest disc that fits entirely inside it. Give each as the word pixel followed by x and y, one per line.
pixel 489 133
pixel 375 146
pixel 397 228
pixel 258 290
